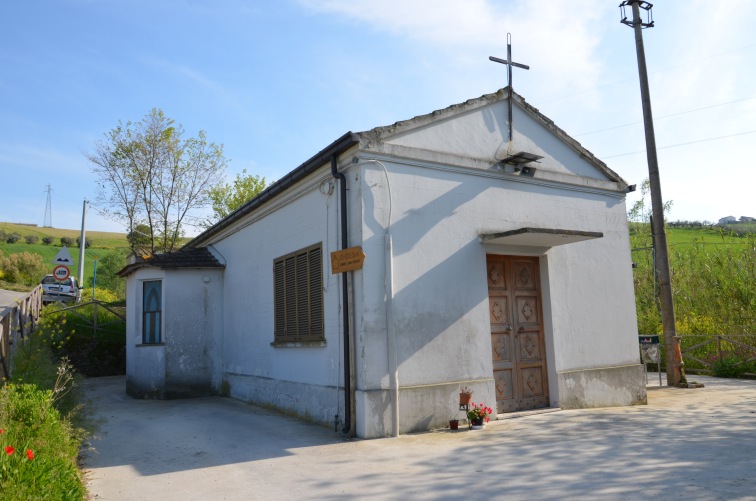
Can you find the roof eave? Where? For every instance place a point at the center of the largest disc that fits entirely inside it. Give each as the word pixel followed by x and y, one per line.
pixel 336 148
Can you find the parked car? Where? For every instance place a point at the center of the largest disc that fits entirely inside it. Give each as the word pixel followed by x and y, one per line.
pixel 66 291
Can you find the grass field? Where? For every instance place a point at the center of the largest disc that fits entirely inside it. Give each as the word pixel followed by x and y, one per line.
pixel 680 236
pixel 99 239
pixel 103 243
pixel 687 236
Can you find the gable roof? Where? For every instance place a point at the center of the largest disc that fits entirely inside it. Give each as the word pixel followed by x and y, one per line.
pixel 380 134
pixel 387 133
pixel 198 257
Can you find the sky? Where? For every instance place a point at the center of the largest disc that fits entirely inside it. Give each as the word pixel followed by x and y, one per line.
pixel 277 81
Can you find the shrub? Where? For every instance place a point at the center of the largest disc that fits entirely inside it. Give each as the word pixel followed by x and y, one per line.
pixel 729 366
pixel 31 239
pixel 87 243
pixel 23 268
pixel 71 334
pixel 47 240
pixel 67 241
pixel 12 238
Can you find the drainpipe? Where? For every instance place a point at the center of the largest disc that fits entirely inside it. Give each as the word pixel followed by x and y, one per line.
pixel 393 364
pixel 344 298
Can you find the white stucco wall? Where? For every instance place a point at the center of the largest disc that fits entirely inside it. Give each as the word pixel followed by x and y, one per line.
pixel 187 361
pixel 303 380
pixel 440 291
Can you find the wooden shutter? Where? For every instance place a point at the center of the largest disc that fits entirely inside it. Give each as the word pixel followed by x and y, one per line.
pixel 315 275
pixel 298 295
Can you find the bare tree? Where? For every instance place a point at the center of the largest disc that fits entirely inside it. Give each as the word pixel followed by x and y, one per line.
pixel 148 174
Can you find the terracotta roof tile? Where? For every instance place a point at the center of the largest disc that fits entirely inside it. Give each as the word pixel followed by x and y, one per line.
pixel 199 257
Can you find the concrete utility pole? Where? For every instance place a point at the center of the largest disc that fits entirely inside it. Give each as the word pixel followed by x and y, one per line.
pixel 675 374
pixel 82 244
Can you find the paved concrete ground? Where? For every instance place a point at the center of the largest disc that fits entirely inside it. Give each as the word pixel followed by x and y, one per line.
pixel 693 444
pixel 8 299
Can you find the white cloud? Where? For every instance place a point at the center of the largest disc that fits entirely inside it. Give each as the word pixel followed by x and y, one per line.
pixel 560 39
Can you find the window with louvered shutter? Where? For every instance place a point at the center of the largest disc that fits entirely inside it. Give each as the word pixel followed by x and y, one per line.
pixel 298 296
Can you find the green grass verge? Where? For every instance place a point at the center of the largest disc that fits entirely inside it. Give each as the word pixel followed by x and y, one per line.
pixel 40 428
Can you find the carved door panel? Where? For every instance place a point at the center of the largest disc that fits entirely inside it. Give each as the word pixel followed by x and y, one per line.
pixel 517 345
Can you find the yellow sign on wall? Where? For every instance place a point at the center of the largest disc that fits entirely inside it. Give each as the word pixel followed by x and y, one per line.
pixel 347 260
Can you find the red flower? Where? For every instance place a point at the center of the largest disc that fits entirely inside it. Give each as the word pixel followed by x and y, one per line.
pixel 29 454
pixel 9 450
pixel 2 431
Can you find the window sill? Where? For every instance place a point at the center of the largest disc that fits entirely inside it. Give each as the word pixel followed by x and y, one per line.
pixel 146 345
pixel 299 344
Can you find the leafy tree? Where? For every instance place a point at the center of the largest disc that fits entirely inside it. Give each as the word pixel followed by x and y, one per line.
pixel 639 217
pixel 107 273
pixel 47 240
pixel 12 238
pixel 140 237
pixel 149 174
pixel 226 198
pixel 67 241
pixel 31 239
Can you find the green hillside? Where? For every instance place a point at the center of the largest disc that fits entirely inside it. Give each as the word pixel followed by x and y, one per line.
pixel 99 239
pixel 102 244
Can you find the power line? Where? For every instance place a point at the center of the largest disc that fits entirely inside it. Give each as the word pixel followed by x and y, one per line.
pixel 666 116
pixel 682 144
pixel 662 70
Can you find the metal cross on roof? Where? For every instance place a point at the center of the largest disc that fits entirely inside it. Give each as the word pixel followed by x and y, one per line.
pixel 508 61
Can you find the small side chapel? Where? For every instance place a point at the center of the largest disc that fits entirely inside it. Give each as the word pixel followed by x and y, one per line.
pixel 496 256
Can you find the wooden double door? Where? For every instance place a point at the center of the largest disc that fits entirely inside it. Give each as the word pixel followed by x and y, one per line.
pixel 517 343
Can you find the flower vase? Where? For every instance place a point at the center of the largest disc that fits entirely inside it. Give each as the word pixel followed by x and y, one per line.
pixel 477 424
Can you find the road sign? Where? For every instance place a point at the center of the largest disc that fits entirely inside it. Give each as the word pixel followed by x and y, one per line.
pixel 61 272
pixel 63 257
pixel 347 260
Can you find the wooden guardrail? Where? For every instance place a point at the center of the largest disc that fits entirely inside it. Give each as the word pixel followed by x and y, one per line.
pixel 17 321
pixel 717 353
pixel 738 351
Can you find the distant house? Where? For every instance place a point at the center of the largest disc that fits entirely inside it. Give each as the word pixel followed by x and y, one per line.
pixel 728 219
pixel 501 266
pixel 746 219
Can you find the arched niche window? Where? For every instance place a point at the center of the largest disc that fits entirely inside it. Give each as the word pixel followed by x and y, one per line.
pixel 152 307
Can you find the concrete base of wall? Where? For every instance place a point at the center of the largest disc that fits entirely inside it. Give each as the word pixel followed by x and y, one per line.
pixel 317 404
pixel 421 408
pixel 602 387
pixel 145 371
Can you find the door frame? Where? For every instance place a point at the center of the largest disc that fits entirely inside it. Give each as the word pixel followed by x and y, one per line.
pixel 546 309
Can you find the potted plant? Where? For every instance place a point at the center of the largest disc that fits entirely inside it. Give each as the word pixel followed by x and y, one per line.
pixel 465 394
pixel 478 415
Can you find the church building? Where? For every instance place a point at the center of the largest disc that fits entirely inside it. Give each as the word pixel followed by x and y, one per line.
pixel 366 287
